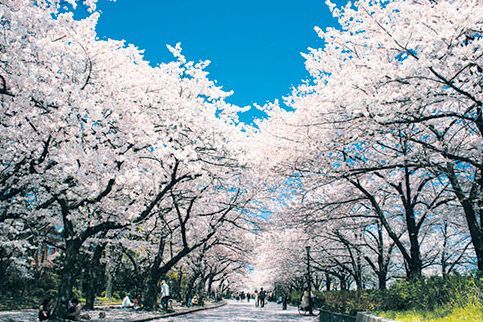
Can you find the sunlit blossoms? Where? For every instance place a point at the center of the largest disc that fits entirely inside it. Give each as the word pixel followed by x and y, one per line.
pixel 386 141
pixel 113 169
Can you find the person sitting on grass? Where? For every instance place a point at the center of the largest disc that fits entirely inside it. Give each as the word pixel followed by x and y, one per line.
pixel 74 310
pixel 44 310
pixel 126 302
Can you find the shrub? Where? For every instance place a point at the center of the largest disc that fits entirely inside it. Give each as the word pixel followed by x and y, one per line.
pixel 434 292
pixel 295 298
pixel 350 302
pixel 429 294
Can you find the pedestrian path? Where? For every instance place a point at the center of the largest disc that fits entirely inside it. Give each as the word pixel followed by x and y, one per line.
pixel 243 311
pixel 112 314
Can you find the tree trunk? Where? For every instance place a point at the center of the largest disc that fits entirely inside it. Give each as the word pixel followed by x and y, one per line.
pixel 382 278
pixel 221 287
pixel 179 282
pixel 189 289
pixel 476 235
pixel 358 273
pixel 471 215
pixel 151 287
pixel 415 264
pixel 151 292
pixel 343 283
pixel 108 274
pixel 210 284
pixel 67 279
pixel 328 282
pixel 201 290
pixel 93 275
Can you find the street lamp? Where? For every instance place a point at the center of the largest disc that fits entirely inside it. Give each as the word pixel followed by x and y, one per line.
pixel 309 280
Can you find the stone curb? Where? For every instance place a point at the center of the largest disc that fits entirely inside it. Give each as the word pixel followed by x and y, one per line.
pixel 369 317
pixel 181 313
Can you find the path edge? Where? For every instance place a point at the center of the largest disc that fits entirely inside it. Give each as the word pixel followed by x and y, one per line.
pixel 168 315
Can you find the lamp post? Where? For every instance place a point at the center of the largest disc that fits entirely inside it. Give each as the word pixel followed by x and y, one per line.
pixel 309 286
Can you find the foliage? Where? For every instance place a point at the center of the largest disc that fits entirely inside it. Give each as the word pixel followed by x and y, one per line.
pixel 295 297
pixel 469 312
pixel 434 294
pixel 18 302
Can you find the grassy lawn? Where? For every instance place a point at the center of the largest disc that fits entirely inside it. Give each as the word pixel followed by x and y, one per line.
pixel 105 301
pixel 470 313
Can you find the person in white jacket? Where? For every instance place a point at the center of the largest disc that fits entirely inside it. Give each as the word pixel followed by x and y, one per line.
pixel 126 302
pixel 164 295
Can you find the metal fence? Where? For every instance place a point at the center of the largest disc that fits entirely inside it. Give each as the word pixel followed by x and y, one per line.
pixel 326 316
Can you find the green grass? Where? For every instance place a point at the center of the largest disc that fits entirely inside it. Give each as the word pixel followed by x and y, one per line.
pixel 472 312
pixel 106 301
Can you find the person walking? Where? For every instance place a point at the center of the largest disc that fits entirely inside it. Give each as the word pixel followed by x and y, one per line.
pixel 164 295
pixel 284 301
pixel 257 299
pixel 262 296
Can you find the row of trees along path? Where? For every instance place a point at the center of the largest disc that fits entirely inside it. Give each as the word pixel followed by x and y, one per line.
pixel 379 166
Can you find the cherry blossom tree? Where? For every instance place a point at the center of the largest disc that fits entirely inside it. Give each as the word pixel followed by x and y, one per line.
pixel 394 95
pixel 97 138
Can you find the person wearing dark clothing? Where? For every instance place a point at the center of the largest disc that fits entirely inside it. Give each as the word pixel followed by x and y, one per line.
pixel 262 296
pixel 73 310
pixel 44 311
pixel 284 302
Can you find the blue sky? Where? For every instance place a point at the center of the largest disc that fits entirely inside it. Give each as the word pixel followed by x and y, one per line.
pixel 254 45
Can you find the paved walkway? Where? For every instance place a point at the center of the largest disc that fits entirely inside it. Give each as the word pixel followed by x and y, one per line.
pixel 235 311
pixel 112 314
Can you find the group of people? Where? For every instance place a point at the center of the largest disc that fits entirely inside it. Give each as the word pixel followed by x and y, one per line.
pixel 73 310
pixel 240 296
pixel 259 297
pixel 134 304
